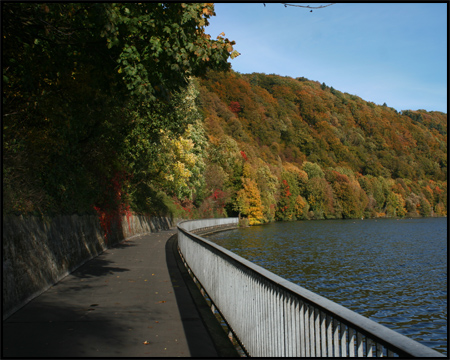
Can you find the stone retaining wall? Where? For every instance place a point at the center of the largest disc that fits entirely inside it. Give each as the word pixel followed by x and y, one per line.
pixel 37 252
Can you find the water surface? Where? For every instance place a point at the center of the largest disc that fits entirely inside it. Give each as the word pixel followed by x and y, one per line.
pixel 391 271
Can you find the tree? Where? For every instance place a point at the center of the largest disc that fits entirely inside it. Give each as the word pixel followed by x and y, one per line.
pixel 248 202
pixel 268 186
pixel 300 177
pixel 177 165
pixel 313 170
pixel 395 205
pixel 285 208
pixel 351 197
pixel 89 86
pixel 57 116
pixel 161 45
pixel 235 107
pixel 319 197
pixel 301 208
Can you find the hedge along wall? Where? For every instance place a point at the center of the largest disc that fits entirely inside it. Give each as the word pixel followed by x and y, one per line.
pixel 37 252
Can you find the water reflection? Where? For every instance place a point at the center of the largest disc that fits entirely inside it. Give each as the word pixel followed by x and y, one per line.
pixel 391 271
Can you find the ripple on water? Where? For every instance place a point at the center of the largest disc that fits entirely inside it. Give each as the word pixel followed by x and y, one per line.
pixel 394 272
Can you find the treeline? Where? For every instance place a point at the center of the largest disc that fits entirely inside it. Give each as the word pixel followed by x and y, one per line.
pixel 285 149
pixel 112 108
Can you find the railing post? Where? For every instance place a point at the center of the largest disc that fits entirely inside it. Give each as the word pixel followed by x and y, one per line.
pixel 329 336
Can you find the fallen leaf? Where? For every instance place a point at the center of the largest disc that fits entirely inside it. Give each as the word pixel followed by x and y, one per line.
pixel 161 302
pixel 146 342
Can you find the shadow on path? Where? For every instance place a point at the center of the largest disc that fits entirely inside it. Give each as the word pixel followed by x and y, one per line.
pixel 178 272
pixel 97 267
pixel 114 303
pixel 60 331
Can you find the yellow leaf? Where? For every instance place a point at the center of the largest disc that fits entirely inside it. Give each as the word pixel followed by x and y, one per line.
pixel 234 54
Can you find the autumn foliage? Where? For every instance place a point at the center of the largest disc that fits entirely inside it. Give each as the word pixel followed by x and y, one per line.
pixel 325 154
pixel 235 107
pixel 162 127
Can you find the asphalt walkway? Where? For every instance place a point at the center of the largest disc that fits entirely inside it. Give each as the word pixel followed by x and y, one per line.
pixel 134 300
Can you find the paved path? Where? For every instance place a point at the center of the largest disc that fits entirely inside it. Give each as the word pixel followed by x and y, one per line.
pixel 133 293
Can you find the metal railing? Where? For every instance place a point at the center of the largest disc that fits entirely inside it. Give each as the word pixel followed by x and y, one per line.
pixel 271 316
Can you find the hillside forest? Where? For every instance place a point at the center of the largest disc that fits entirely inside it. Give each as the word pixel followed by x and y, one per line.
pixel 110 109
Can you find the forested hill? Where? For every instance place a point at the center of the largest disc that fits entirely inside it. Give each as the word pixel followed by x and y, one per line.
pixel 286 148
pixel 298 120
pixel 113 108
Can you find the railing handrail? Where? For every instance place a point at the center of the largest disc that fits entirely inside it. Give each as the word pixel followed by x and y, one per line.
pixel 388 337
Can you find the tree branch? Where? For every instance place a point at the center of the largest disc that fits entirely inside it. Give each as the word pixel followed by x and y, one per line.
pixel 309 7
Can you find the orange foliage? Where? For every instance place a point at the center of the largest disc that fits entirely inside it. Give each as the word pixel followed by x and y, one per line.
pixel 285 122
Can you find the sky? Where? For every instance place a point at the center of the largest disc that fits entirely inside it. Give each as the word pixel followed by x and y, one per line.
pixel 393 53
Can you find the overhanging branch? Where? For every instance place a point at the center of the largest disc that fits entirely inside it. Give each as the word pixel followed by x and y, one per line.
pixel 308 6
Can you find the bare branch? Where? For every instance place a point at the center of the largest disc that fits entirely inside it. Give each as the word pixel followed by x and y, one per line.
pixel 309 7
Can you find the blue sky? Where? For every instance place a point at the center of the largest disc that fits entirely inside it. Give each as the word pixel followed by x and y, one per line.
pixel 382 52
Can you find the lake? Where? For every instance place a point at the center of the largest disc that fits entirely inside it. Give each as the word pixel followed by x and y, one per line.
pixel 393 271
